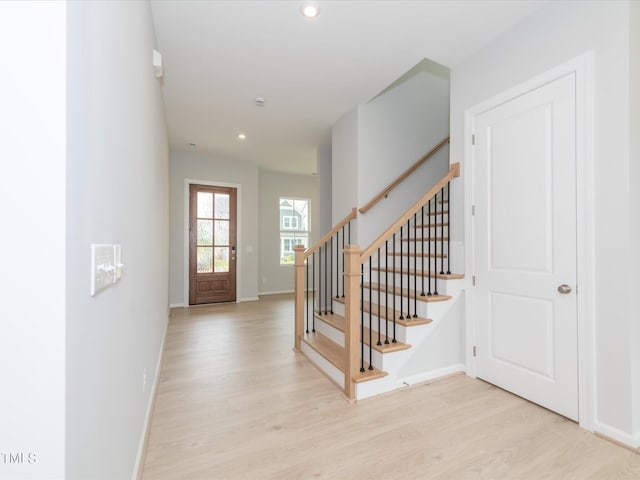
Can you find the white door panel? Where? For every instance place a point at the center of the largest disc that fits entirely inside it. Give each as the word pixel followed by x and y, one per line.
pixel 525 245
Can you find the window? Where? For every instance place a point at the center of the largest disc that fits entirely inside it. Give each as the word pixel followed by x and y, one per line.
pixel 289 223
pixel 294 227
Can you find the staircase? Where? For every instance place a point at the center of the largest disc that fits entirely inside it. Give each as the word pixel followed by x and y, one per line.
pixel 375 320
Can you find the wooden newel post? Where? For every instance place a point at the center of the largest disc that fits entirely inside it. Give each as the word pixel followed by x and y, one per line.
pixel 352 318
pixel 299 289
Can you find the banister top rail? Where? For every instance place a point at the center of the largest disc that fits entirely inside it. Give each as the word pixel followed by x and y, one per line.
pixel 384 193
pixel 353 214
pixel 454 171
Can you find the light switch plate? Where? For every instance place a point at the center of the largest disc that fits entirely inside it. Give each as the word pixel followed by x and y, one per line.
pixel 103 267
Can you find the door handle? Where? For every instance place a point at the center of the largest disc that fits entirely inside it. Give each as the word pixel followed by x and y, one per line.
pixel 564 289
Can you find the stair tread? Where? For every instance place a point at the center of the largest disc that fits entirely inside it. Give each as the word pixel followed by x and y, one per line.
pixel 334 354
pixel 337 321
pixel 408 293
pixel 442 276
pixel 404 322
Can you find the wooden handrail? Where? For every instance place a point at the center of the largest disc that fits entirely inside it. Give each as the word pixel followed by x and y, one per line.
pixel 384 193
pixel 353 214
pixel 454 171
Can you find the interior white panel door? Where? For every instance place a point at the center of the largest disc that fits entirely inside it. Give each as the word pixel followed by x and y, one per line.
pixel 525 246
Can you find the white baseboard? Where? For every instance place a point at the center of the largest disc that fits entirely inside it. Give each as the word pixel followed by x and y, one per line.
pixel 432 375
pixel 277 292
pixel 142 445
pixel 613 433
pixel 176 305
pixel 247 299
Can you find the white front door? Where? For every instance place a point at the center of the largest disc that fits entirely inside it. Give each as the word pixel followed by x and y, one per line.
pixel 525 246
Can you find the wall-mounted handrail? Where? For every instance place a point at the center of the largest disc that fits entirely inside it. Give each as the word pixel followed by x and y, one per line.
pixel 352 215
pixel 454 171
pixel 384 193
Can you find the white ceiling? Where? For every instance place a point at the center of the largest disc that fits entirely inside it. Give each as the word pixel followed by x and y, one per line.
pixel 219 55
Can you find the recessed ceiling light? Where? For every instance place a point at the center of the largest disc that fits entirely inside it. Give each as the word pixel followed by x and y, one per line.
pixel 241 136
pixel 310 10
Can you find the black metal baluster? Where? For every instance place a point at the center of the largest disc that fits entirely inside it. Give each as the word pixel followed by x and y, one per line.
pixel 306 291
pixel 394 287
pixel 370 310
pixel 326 278
pixel 415 268
pixel 386 292
pixel 442 231
pixel 362 318
pixel 337 264
pixel 379 288
pixel 422 249
pixel 435 247
pixel 343 261
pixel 429 247
pixel 449 229
pixel 331 275
pixel 313 288
pixel 401 317
pixel 320 280
pixel 409 270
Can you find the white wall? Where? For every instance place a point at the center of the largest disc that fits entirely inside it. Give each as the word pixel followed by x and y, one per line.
pixel 634 188
pixel 201 167
pixel 117 192
pixel 395 130
pixel 324 180
pixel 344 167
pixel 32 213
pixel 273 277
pixel 553 35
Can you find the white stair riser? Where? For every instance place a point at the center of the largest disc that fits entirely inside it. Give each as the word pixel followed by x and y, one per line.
pixel 323 364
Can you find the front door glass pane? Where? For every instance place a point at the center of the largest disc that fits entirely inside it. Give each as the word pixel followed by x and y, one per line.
pixel 222 232
pixel 222 205
pixel 222 259
pixel 205 259
pixel 205 232
pixel 205 205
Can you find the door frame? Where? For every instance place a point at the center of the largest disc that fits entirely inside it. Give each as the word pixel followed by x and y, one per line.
pixel 582 67
pixel 185 261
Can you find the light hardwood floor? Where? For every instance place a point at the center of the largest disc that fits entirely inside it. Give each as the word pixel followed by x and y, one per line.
pixel 235 402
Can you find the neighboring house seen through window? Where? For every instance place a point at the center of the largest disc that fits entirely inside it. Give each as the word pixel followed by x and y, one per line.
pixel 295 224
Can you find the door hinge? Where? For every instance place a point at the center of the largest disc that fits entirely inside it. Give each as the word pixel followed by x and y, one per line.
pixel 473 210
pixel 473 139
pixel 473 280
pixel 474 350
